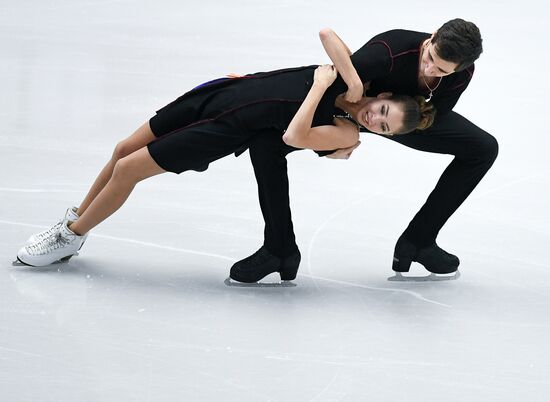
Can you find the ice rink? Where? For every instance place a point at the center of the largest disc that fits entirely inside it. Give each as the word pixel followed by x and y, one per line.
pixel 143 313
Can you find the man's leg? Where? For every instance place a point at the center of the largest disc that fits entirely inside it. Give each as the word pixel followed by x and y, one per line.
pixel 279 252
pixel 475 151
pixel 268 157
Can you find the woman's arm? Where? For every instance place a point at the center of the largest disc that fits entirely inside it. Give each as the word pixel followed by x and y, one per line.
pixel 300 134
pixel 340 54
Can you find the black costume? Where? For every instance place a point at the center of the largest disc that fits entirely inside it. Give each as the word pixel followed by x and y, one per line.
pixel 220 117
pixel 390 62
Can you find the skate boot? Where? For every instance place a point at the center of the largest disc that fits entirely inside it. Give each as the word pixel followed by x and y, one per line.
pixel 70 215
pixel 60 245
pixel 436 260
pixel 262 263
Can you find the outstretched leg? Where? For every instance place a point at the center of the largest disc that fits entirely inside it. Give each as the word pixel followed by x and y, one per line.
pixel 140 138
pixel 68 238
pixel 127 172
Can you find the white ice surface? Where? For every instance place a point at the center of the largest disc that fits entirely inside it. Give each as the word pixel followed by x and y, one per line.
pixel 143 314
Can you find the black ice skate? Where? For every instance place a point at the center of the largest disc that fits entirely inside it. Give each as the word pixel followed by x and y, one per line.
pixel 442 265
pixel 249 271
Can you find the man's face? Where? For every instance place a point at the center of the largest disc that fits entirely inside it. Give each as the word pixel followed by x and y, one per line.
pixel 431 65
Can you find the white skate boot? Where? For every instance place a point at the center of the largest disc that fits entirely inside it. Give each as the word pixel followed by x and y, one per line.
pixel 70 215
pixel 60 245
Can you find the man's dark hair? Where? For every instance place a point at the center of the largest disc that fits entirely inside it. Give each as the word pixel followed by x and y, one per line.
pixel 458 41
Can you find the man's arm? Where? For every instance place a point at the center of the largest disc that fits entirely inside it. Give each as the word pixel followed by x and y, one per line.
pixel 343 153
pixel 340 54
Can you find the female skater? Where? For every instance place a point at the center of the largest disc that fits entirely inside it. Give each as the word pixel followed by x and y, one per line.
pixel 217 119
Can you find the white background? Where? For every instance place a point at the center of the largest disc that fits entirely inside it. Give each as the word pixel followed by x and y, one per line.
pixel 143 314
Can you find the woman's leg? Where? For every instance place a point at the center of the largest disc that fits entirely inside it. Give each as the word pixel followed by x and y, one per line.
pixel 126 173
pixel 140 138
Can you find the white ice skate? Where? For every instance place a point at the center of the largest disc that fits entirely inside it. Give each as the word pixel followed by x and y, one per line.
pixel 70 215
pixel 60 245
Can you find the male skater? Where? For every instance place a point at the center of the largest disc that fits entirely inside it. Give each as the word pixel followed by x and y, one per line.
pixel 439 67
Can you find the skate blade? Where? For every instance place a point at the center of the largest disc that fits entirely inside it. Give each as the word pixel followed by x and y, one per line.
pixel 281 284
pixel 18 263
pixel 398 277
pixel 67 258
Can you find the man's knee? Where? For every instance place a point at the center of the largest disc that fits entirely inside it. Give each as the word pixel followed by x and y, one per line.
pixel 488 148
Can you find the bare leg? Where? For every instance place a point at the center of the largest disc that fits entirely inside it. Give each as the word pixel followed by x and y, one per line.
pixel 141 137
pixel 127 172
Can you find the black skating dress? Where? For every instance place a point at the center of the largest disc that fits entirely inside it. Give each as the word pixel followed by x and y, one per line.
pixel 219 117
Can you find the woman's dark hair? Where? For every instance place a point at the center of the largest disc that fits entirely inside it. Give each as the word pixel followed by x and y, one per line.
pixel 458 41
pixel 418 114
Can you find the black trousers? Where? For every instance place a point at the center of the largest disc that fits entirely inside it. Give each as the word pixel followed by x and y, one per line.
pixel 268 155
pixel 474 152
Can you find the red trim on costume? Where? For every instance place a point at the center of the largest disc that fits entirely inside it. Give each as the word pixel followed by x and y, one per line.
pixel 389 50
pixel 391 53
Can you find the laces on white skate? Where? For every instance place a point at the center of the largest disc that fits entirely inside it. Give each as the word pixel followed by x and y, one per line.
pixel 60 246
pixel 48 244
pixel 70 215
pixel 47 233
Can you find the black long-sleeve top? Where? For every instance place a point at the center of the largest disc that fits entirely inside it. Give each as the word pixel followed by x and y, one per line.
pixel 390 62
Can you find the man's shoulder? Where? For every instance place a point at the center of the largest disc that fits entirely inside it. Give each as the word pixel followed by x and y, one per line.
pixel 400 40
pixel 402 35
pixel 459 80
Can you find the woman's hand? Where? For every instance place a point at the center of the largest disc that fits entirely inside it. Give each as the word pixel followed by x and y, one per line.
pixel 343 153
pixel 325 75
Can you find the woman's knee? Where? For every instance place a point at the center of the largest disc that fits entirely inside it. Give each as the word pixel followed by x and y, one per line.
pixel 140 138
pixel 122 149
pixel 128 170
pixel 136 167
pixel 122 171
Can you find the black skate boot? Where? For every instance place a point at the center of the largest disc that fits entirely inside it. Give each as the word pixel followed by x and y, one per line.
pixel 262 263
pixel 432 257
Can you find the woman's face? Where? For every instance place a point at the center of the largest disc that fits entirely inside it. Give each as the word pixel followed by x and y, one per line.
pixel 382 116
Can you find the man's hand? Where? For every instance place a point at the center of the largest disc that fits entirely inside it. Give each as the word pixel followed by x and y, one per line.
pixel 343 153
